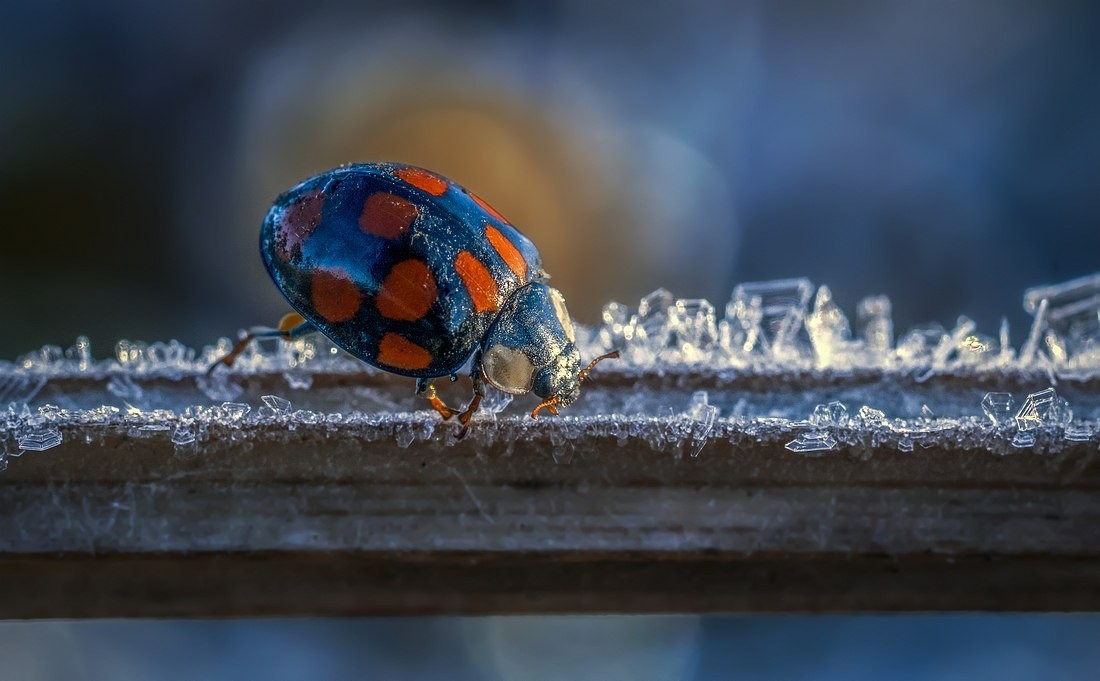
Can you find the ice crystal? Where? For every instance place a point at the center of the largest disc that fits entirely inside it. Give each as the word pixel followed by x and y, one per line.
pixel 1067 319
pixel 1036 409
pixel 869 416
pixel 834 415
pixel 770 313
pixel 998 407
pixel 40 439
pixel 876 327
pixel 780 362
pixel 235 411
pixel 830 333
pixel 184 434
pixel 279 405
pixel 703 414
pixel 812 441
pixel 1024 438
pixel 1077 432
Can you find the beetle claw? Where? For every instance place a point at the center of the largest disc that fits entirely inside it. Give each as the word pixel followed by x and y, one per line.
pixel 549 404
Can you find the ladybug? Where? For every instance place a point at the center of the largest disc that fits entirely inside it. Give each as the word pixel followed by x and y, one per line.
pixel 414 274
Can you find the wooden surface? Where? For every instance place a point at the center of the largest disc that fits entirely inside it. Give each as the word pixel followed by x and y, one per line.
pixel 323 521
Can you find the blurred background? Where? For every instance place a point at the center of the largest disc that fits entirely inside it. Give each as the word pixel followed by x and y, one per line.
pixel 943 153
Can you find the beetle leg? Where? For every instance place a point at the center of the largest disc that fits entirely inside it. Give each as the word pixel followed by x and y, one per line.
pixel 479 392
pixel 550 404
pixel 424 387
pixel 291 326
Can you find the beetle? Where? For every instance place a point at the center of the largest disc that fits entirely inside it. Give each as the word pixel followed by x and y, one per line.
pixel 414 274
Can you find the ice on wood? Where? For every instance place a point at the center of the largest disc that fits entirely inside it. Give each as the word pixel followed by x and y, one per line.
pixel 781 362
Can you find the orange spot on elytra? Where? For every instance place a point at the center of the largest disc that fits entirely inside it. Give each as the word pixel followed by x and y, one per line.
pixel 488 209
pixel 507 251
pixel 407 292
pixel 479 282
pixel 422 179
pixel 401 353
pixel 387 215
pixel 297 222
pixel 334 295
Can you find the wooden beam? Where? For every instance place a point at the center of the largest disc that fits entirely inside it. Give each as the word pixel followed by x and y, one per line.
pixel 592 513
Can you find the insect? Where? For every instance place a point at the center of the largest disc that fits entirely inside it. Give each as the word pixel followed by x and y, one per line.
pixel 413 274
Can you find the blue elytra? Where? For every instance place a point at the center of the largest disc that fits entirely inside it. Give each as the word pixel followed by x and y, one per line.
pixel 414 274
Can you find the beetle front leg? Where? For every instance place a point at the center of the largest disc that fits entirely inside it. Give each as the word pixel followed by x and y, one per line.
pixel 425 388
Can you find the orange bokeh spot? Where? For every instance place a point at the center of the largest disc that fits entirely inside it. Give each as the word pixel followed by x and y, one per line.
pixel 297 222
pixel 401 353
pixel 334 295
pixel 479 282
pixel 488 209
pixel 407 292
pixel 507 251
pixel 422 179
pixel 387 215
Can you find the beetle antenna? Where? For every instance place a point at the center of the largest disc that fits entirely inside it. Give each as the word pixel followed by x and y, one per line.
pixel 583 375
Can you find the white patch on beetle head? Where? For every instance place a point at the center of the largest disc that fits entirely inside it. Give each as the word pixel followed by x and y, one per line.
pixel 563 315
pixel 508 369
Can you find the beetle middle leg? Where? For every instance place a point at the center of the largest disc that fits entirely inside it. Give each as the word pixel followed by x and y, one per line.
pixel 291 326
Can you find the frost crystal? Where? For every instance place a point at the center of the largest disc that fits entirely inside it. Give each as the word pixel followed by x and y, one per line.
pixel 829 331
pixel 695 328
pixel 1077 432
pixel 1067 320
pixel 998 407
pixel 183 435
pixel 218 386
pixel 1027 352
pixel 777 361
pixel 40 439
pixel 1036 409
pixel 703 415
pixel 651 324
pixel 123 386
pixel 876 327
pixel 812 441
pixel 831 415
pixel 236 411
pixel 1024 438
pixel 915 348
pixel 494 402
pixel 279 405
pixel 869 416
pixel 770 314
